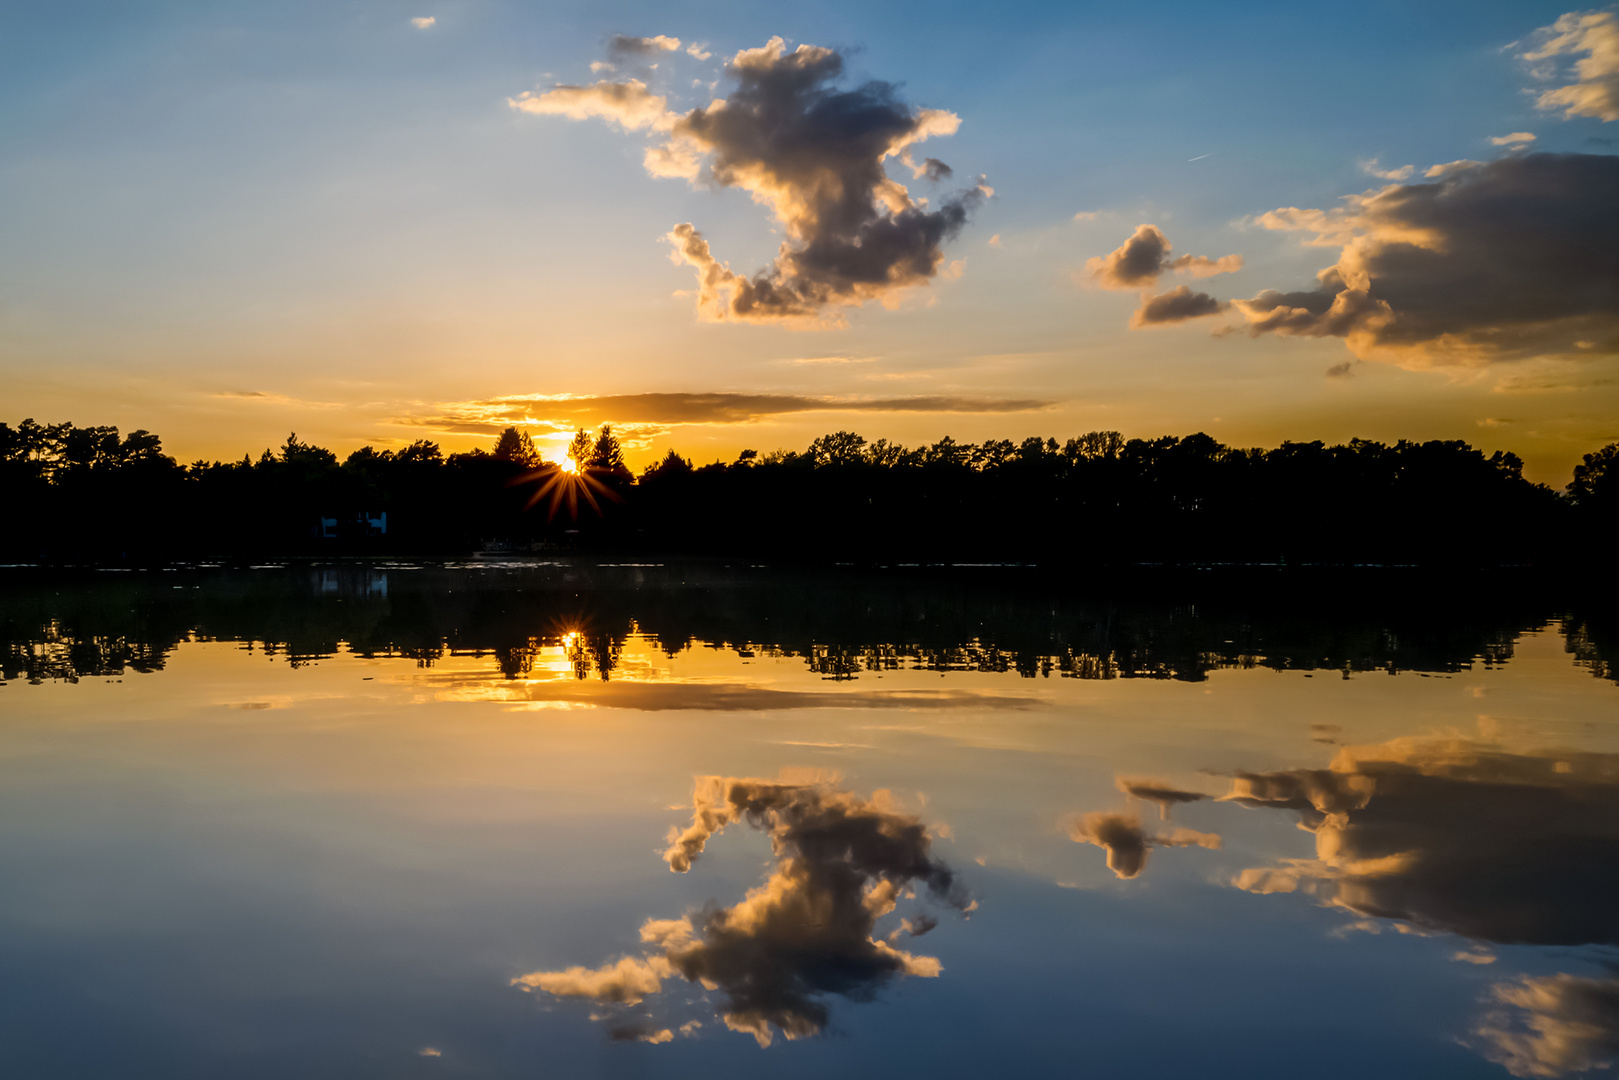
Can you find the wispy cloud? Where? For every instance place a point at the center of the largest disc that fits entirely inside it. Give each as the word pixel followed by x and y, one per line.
pixel 1372 167
pixel 422 22
pixel 564 411
pixel 1593 36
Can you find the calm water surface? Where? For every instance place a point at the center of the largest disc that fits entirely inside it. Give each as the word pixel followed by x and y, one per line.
pixel 564 820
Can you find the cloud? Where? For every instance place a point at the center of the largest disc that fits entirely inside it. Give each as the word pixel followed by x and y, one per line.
pixel 1455 836
pixel 1371 168
pixel 1158 793
pixel 623 45
pixel 1514 139
pixel 814 155
pixel 1121 835
pixel 1497 261
pixel 1141 259
pixel 1595 89
pixel 1086 215
pixel 1433 172
pixel 623 983
pixel 422 22
pixel 697 52
pixel 842 863
pixel 1176 305
pixel 566 412
pixel 628 104
pixel 1563 1024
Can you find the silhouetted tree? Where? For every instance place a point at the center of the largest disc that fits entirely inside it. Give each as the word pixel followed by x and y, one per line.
pixel 516 446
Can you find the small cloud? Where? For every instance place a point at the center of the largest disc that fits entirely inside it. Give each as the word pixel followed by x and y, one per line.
pixel 1371 168
pixel 1199 157
pixel 1087 215
pixel 697 52
pixel 1495 421
pixel 1450 167
pixel 1345 370
pixel 428 1051
pixel 1515 140
pixel 1176 305
pixel 995 241
pixel 1142 258
pixel 422 22
pixel 599 66
pixel 624 45
pixel 1473 956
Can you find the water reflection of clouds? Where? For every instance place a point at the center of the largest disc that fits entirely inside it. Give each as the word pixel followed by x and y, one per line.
pixel 1553 1026
pixel 1452 835
pixel 1444 835
pixel 843 862
pixel 1457 836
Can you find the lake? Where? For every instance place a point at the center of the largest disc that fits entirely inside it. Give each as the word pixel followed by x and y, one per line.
pixel 523 818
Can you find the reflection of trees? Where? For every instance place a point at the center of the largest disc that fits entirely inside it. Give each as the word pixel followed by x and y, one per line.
pixel 842 625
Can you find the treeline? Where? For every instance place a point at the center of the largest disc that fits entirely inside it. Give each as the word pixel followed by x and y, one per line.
pixel 89 494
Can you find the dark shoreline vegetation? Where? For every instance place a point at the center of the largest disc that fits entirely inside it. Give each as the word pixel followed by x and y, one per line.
pixel 87 495
pixel 70 624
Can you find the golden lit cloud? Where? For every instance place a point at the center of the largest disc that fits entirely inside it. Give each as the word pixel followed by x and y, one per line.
pixel 1594 90
pixel 628 104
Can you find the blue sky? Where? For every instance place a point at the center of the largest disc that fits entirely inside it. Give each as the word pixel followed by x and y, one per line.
pixel 225 221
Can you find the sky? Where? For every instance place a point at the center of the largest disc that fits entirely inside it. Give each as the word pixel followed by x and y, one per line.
pixel 720 226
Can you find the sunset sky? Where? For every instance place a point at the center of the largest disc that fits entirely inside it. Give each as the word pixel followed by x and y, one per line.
pixel 373 222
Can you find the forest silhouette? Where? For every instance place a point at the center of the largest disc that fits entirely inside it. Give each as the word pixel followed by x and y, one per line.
pixel 88 494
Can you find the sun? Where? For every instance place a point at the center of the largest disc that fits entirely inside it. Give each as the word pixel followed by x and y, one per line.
pixel 566 482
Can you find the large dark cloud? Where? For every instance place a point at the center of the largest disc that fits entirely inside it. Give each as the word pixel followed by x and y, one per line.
pixel 1456 836
pixel 815 154
pixel 492 415
pixel 1498 261
pixel 842 863
pixel 1553 1025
